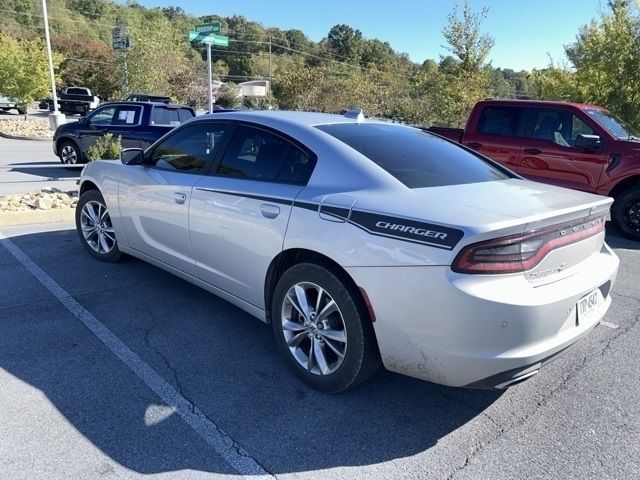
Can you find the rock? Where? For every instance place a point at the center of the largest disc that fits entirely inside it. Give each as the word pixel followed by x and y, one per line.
pixel 56 203
pixel 43 203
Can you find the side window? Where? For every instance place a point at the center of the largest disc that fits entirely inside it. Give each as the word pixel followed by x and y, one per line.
pixel 503 121
pixel 190 148
pixel 103 116
pixel 165 116
pixel 127 116
pixel 254 154
pixel 559 126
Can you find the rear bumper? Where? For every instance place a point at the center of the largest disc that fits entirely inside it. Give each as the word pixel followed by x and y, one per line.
pixel 479 331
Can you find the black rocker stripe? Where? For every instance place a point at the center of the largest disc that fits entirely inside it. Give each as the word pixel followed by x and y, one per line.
pixel 282 201
pixel 438 236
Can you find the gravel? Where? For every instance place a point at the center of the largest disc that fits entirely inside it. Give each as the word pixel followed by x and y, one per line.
pixel 45 199
pixel 33 127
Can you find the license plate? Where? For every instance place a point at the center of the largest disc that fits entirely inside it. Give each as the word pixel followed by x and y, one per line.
pixel 589 304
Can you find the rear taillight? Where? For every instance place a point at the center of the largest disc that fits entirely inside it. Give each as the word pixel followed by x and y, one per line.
pixel 521 252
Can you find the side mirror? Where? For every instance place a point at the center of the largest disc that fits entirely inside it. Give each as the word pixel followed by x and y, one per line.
pixel 132 156
pixel 588 142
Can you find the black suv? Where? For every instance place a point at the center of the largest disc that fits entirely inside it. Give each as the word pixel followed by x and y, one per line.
pixel 138 123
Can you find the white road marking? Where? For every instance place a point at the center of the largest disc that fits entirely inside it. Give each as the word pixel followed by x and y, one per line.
pixel 608 324
pixel 222 443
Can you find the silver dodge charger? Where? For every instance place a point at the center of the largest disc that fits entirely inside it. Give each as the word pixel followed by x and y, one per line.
pixel 361 242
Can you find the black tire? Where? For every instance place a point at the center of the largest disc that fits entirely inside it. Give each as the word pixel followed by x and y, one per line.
pixel 21 111
pixel 625 213
pixel 91 243
pixel 361 357
pixel 67 149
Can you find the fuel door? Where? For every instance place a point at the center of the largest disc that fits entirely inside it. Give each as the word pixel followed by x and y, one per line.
pixel 336 208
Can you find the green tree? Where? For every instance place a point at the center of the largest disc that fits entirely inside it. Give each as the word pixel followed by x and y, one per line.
pixel 464 38
pixel 24 76
pixel 606 58
pixel 346 42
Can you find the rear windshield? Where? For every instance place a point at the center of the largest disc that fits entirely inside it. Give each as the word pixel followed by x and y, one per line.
pixel 77 91
pixel 414 157
pixel 170 116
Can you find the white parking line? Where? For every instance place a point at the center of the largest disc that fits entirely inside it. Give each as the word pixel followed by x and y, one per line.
pixel 609 324
pixel 222 443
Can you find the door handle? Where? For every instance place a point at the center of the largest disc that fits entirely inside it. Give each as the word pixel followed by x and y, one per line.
pixel 474 145
pixel 269 211
pixel 180 197
pixel 532 151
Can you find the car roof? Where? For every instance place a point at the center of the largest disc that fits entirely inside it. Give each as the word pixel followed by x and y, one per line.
pixel 299 118
pixel 537 103
pixel 141 103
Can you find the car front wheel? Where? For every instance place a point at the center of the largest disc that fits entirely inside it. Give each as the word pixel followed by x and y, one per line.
pixel 323 329
pixel 94 227
pixel 625 213
pixel 69 153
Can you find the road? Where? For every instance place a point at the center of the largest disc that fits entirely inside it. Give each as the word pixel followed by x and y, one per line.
pixel 27 165
pixel 124 371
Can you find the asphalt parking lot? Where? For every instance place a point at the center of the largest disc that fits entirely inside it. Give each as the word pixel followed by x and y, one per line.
pixel 27 166
pixel 124 371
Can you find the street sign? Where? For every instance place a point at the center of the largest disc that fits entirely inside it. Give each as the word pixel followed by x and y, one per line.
pixel 120 43
pixel 208 34
pixel 218 40
pixel 207 28
pixel 120 38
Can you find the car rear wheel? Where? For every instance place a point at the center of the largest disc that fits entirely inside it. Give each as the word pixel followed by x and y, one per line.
pixel 94 227
pixel 625 213
pixel 323 329
pixel 69 153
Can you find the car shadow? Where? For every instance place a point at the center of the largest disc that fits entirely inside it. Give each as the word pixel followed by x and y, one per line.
pixel 220 358
pixel 47 171
pixel 615 240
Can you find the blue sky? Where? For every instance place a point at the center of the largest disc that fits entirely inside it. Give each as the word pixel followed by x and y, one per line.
pixel 525 31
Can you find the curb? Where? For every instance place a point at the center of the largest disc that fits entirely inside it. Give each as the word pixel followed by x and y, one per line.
pixel 16 137
pixel 29 217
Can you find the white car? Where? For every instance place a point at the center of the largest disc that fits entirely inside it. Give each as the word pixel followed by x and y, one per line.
pixel 361 242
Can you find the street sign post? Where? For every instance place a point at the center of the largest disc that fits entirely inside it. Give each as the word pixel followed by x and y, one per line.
pixel 208 34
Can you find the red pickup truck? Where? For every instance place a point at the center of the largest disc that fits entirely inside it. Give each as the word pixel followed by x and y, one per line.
pixel 566 144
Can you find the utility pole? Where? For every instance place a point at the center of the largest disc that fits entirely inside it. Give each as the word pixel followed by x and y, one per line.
pixel 209 77
pixel 56 118
pixel 270 98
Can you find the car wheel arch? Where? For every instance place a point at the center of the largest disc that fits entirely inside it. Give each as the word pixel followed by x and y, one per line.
pixel 624 185
pixel 62 140
pixel 87 185
pixel 290 257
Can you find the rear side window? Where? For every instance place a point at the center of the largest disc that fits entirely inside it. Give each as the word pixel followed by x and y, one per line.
pixel 504 121
pixel 260 155
pixel 414 157
pixel 77 91
pixel 165 116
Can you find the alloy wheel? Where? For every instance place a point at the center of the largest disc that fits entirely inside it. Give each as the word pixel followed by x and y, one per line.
pixel 314 328
pixel 631 215
pixel 97 228
pixel 69 155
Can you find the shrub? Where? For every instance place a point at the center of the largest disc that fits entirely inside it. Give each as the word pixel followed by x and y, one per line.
pixel 106 148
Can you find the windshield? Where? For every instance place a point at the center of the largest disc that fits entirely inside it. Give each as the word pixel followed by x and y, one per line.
pixel 416 158
pixel 612 124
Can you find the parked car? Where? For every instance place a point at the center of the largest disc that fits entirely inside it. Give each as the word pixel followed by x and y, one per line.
pixel 566 144
pixel 76 100
pixel 45 104
pixel 361 241
pixel 145 97
pixel 138 123
pixel 7 104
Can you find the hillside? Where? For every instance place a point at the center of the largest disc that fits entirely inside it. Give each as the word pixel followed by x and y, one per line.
pixel 342 70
